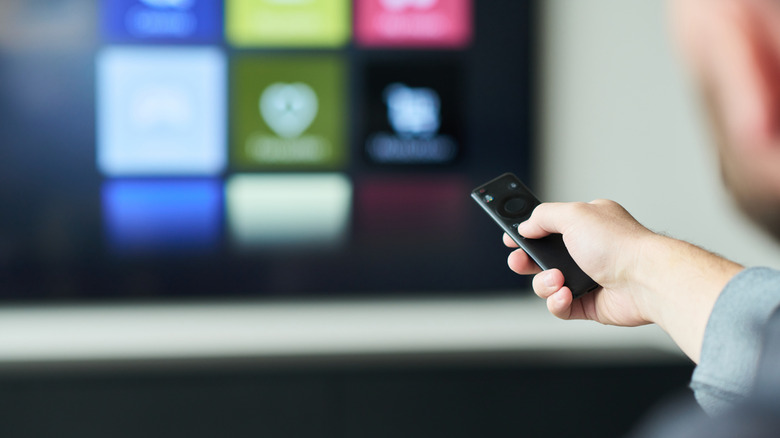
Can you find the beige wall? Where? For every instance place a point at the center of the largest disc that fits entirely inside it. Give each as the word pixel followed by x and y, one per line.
pixel 621 121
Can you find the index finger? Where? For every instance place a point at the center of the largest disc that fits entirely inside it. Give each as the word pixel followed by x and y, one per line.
pixel 509 242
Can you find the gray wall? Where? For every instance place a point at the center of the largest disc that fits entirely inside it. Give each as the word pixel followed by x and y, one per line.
pixel 622 121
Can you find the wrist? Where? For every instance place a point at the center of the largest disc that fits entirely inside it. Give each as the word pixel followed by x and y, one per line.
pixel 646 279
pixel 677 284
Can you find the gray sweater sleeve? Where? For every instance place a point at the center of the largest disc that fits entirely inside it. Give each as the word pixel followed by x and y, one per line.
pixel 733 339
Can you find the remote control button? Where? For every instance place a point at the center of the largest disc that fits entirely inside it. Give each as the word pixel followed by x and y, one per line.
pixel 515 205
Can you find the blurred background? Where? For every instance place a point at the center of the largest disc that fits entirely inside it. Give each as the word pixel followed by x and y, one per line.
pixel 251 217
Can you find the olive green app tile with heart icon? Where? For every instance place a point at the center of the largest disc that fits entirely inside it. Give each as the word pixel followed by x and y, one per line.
pixel 288 113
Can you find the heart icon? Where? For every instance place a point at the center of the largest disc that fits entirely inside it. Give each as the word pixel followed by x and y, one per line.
pixel 289 109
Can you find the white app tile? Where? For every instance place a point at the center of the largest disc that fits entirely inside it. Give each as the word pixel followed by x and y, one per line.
pixel 161 111
pixel 288 211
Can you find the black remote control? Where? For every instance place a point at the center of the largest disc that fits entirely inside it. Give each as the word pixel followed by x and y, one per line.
pixel 509 202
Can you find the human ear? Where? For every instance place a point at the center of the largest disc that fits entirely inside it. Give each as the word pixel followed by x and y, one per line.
pixel 746 61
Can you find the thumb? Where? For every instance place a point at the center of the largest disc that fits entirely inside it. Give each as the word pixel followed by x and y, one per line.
pixel 546 219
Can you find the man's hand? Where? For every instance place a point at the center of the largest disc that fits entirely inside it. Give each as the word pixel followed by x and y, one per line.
pixel 645 277
pixel 604 240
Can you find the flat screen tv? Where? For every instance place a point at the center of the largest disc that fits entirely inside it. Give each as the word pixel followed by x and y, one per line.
pixel 258 148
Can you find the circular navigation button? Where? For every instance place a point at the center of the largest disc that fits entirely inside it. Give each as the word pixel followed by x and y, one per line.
pixel 515 206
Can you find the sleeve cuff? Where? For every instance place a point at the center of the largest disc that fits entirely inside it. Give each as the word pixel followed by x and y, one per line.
pixel 733 339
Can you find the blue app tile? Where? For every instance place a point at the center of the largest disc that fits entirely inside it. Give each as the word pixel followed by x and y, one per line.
pixel 169 21
pixel 153 216
pixel 161 111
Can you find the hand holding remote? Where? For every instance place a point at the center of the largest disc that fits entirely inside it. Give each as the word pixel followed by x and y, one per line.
pixel 645 277
pixel 509 202
pixel 605 240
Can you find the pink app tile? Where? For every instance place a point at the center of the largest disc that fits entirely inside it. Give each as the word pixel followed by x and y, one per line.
pixel 414 23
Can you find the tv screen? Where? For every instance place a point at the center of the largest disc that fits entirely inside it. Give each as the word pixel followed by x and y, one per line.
pixel 263 148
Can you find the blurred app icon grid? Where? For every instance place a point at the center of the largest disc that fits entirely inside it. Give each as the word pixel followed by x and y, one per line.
pixel 257 96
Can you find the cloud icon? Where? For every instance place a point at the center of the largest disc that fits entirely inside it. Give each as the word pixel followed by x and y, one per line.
pixel 413 112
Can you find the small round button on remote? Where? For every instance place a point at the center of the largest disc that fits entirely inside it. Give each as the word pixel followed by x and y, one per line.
pixel 515 205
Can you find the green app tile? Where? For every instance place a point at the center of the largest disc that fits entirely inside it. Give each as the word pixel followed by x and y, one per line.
pixel 288 113
pixel 288 23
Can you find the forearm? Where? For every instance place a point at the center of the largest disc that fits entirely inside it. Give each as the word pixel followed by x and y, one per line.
pixel 679 285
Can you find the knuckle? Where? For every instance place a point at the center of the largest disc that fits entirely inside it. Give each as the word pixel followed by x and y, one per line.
pixel 604 202
pixel 540 209
pixel 579 208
